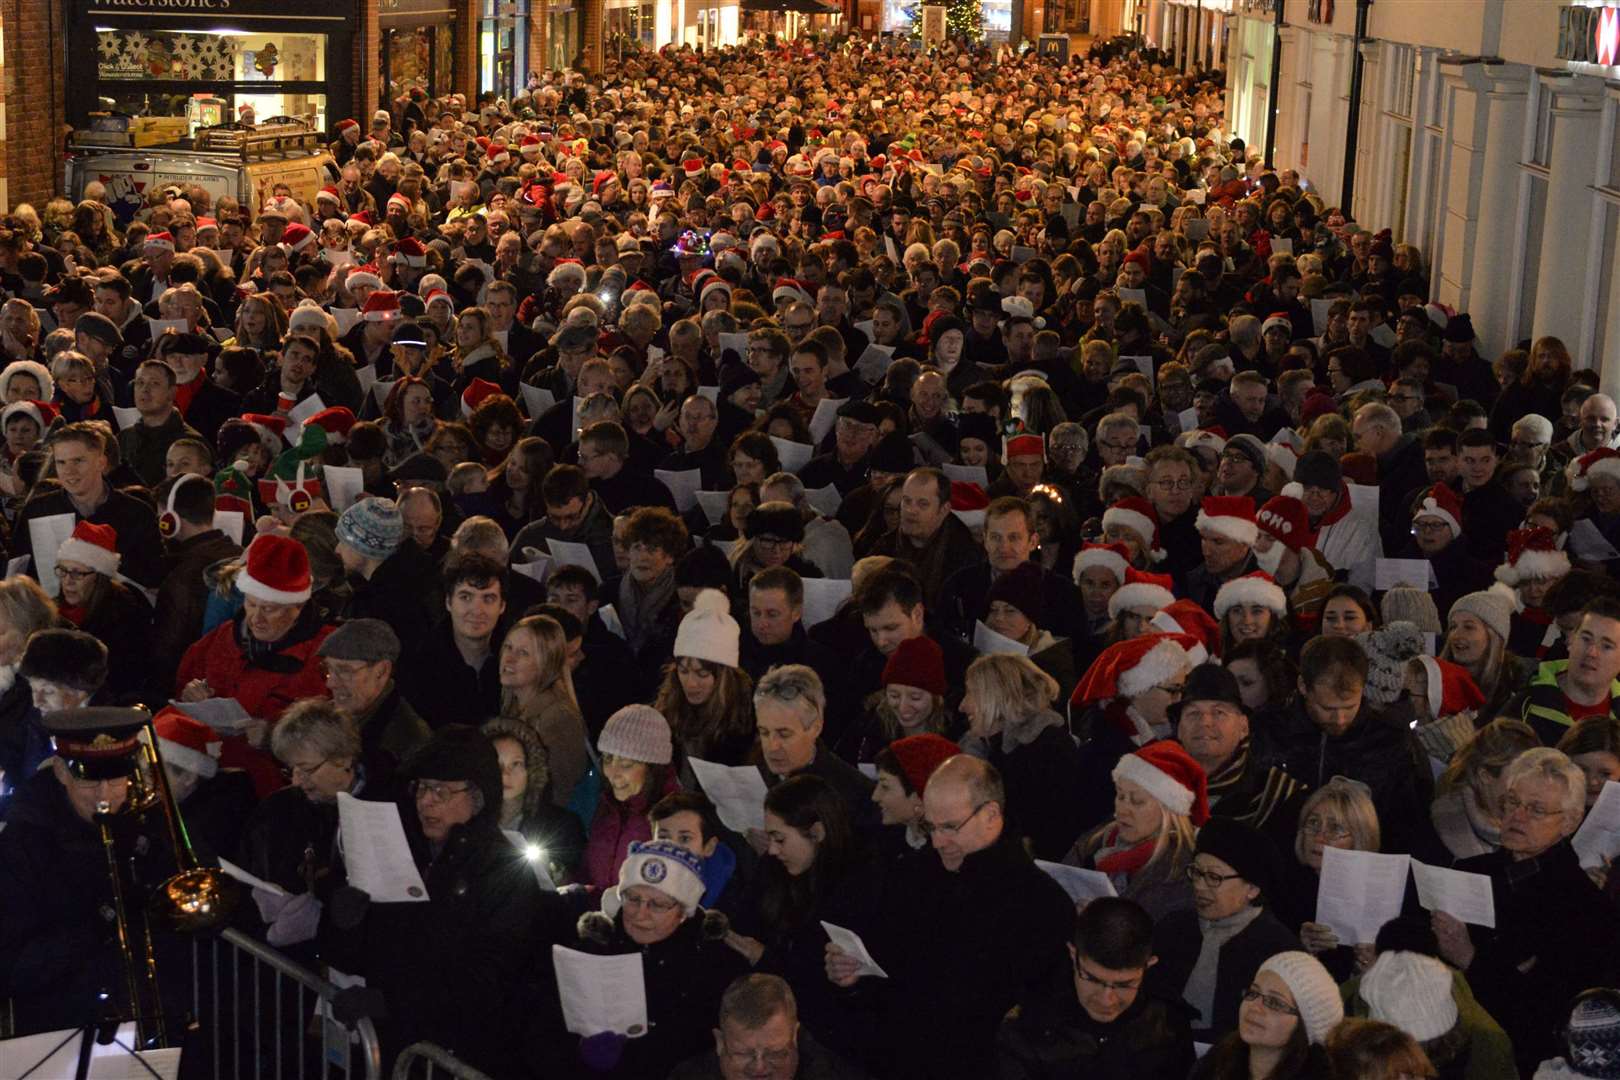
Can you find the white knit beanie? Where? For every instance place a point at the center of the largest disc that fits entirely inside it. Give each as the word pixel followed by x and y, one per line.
pixel 1316 995
pixel 709 632
pixel 1411 991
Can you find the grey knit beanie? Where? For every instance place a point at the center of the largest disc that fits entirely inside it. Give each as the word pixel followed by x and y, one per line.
pixel 1316 995
pixel 1406 604
pixel 1388 649
pixel 1494 607
pixel 373 527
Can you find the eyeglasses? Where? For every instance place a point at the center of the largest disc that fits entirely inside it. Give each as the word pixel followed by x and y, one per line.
pixel 1173 485
pixel 293 770
pixel 1512 804
pixel 1121 447
pixel 775 1058
pixel 1075 447
pixel 775 543
pixel 1199 876
pixel 64 574
pixel 1272 1002
pixel 930 829
pixel 428 791
pixel 1118 987
pixel 1331 830
pixel 657 907
pixel 1175 690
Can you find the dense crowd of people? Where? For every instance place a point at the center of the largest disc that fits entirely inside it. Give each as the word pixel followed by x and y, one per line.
pixel 1079 528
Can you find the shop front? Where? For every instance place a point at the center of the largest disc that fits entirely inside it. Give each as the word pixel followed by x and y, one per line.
pixel 194 63
pixel 418 46
pixel 503 47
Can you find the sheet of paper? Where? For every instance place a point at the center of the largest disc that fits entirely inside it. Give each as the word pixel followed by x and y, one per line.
pixel 825 416
pixel 299 413
pixel 579 403
pixel 1196 229
pixel 1588 544
pixel 1144 364
pixel 376 853
pixel 1359 892
pixel 682 484
pixel 735 343
pixel 251 881
pixel 851 943
pixel 568 553
pixel 1290 438
pixel 536 399
pixel 737 791
pixel 1070 211
pixel 346 318
pixel 1456 892
pixel 535 565
pixel 1319 315
pixel 714 505
pixel 368 378
pixel 967 474
pixel 866 327
pixel 336 257
pixel 868 769
pixel 874 363
pixel 822 597
pixel 1189 419
pixel 120 1064
pixel 47 534
pixel 1415 573
pixel 1196 196
pixel 1130 296
pixel 1022 254
pixel 224 714
pixel 127 418
pixel 381 389
pixel 1364 500
pixel 534 855
pixel 19 565
pixel 233 523
pixel 344 485
pixel 610 619
pixel 794 455
pixel 601 993
pixel 50 1055
pixel 1281 245
pixel 1382 335
pixel 710 392
pixel 1081 884
pixel 728 548
pixel 162 326
pixel 1598 838
pixel 891 249
pixel 973 519
pixel 825 499
pixel 1172 423
pixel 989 642
pixel 226 256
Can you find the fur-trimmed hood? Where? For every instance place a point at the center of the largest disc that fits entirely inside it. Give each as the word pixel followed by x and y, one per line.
pixel 607 931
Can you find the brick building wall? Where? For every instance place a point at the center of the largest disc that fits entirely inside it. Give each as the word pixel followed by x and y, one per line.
pixel 35 47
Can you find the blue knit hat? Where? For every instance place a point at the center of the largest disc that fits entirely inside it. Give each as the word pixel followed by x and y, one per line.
pixel 372 527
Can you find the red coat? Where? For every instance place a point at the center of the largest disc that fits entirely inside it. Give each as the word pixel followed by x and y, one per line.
pixel 219 661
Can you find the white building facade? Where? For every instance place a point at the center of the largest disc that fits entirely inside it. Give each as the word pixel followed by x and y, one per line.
pixel 1486 137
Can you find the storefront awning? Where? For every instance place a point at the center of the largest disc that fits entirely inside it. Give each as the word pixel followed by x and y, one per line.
pixel 403 14
pixel 804 7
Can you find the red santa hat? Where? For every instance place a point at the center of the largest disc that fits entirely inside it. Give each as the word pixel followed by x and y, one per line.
pixel 1137 514
pixel 435 295
pixel 1256 588
pixel 381 306
pixel 1168 773
pixel 789 290
pixel 329 194
pixel 602 179
pixel 1131 668
pixel 1603 462
pixel 345 125
pixel 188 743
pixel 1115 558
pixel 1024 446
pixel 1532 555
pixel 297 237
pixel 335 420
pixel 92 545
pixel 1442 503
pixel 272 430
pixel 692 167
pixel 968 502
pixel 1286 518
pixel 1211 439
pixel 396 201
pixel 1141 591
pixel 1231 516
pixel 476 392
pixel 364 275
pixel 410 252
pixel 42 413
pixel 1278 320
pixel 159 240
pixel 277 570
pixel 1186 618
pixel 714 284
pixel 1451 689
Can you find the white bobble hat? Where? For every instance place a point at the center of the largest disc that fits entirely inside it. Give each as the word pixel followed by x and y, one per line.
pixel 709 632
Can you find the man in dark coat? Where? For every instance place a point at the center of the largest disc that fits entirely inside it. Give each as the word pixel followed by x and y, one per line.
pixel 455 671
pixel 964 936
pixel 604 455
pixel 1099 1021
pixel 360 657
pixel 789 706
pixel 192 545
pixel 1010 538
pixel 1437 536
pixel 1377 430
pixel 384 572
pixel 204 403
pixel 930 537
pixel 1489 512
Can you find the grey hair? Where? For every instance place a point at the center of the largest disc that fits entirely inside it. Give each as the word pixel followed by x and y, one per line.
pixel 1382 415
pixel 1538 427
pixel 1121 421
pixel 1543 762
pixel 317 725
pixel 793 685
pixel 791 483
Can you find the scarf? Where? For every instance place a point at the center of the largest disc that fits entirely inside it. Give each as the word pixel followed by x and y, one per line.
pixel 640 607
pixel 267 655
pixel 1115 858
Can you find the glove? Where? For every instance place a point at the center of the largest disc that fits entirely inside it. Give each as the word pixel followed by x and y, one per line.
pixel 297 921
pixel 1442 738
pixel 352 1003
pixel 270 904
pixel 601 1053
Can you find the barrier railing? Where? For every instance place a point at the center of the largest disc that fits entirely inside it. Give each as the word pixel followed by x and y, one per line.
pixel 262 1015
pixel 425 1061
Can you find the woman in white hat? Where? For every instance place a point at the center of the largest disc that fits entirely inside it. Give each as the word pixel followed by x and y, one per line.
pixel 706 696
pixel 1288 1011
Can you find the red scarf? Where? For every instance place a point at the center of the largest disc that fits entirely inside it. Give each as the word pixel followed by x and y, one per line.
pixel 185 392
pixel 74 615
pixel 1125 861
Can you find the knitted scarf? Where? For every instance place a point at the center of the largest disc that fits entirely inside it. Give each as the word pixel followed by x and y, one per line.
pixel 640 607
pixel 1113 857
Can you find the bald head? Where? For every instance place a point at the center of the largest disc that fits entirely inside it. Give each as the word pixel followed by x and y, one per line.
pixel 962 808
pixel 1597 421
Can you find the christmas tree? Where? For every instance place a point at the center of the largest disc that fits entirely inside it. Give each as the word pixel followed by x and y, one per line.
pixel 964 20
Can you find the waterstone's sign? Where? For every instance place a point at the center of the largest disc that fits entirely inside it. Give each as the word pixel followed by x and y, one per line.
pixel 1589 35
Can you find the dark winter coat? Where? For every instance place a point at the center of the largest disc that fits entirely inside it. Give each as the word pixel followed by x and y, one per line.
pixel 962 601
pixel 1489 514
pixel 122 621
pixel 1177 940
pixel 816 1062
pixel 182 598
pixel 139 541
pixel 1050 1037
pixel 1040 765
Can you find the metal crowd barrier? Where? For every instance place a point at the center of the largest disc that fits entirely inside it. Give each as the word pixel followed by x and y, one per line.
pixel 257 1011
pixel 434 1061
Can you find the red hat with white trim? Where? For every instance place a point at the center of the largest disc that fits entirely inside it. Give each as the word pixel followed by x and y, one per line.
pixel 1451 689
pixel 1133 667
pixel 42 413
pixel 1231 516
pixel 1442 503
pixel 692 167
pixel 185 742
pixel 272 430
pixel 476 392
pixel 297 237
pixel 159 240
pixel 1115 558
pixel 1141 592
pixel 1167 772
pixel 1256 588
pixel 1532 555
pixel 363 275
pixel 1202 439
pixel 92 545
pixel 399 202
pixel 277 570
pixel 1286 518
pixel 335 420
pixel 381 306
pixel 1185 617
pixel 1025 445
pixel 1137 514
pixel 714 284
pixel 789 290
pixel 345 125
pixel 329 194
pixel 410 252
pixel 1601 462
